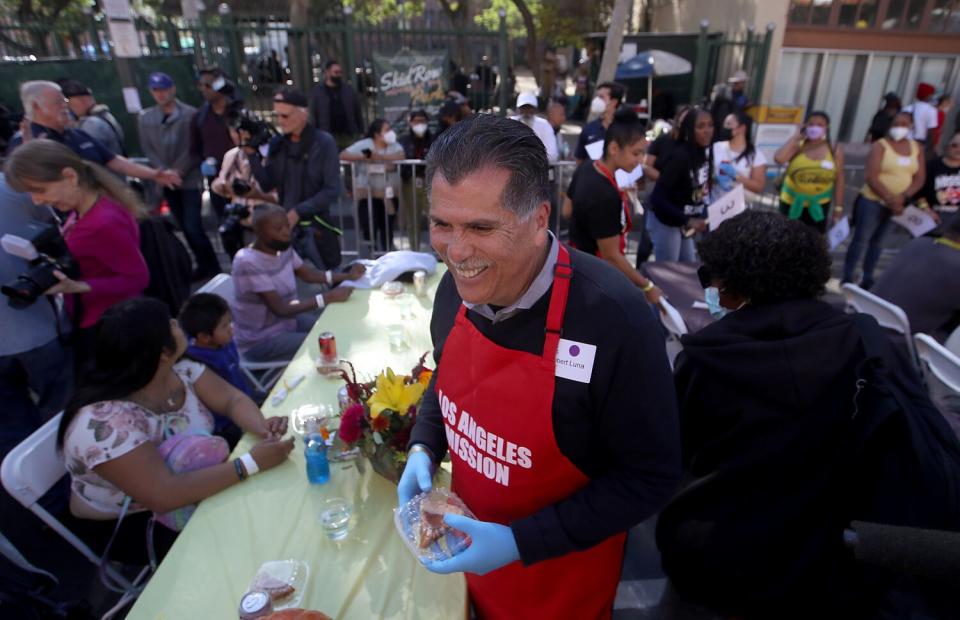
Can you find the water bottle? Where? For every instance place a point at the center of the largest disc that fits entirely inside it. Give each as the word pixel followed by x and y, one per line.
pixel 318 467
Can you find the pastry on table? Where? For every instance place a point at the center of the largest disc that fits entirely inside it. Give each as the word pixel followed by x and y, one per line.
pixel 297 614
pixel 276 588
pixel 432 509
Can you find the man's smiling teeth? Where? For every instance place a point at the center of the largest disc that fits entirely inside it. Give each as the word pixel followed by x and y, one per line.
pixel 469 273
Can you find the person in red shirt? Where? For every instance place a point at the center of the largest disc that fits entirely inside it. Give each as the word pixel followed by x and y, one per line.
pixel 101 229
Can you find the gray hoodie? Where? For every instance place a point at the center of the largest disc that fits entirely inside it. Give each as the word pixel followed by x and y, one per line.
pixel 166 142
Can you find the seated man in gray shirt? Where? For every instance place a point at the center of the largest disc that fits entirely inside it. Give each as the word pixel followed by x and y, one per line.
pixel 924 280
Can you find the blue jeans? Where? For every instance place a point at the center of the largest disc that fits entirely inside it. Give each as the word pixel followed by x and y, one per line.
pixel 871 221
pixel 669 244
pixel 47 371
pixel 185 204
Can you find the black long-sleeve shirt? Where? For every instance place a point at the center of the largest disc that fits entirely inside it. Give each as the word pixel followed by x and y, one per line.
pixel 620 430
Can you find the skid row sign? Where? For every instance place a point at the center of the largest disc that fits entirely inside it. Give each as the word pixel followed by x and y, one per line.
pixel 489 454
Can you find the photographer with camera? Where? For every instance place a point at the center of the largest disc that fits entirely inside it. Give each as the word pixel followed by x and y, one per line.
pixel 165 138
pixel 303 166
pixel 101 232
pixel 33 352
pixel 237 184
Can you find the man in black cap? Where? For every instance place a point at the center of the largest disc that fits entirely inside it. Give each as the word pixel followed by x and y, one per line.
pixel 92 117
pixel 303 165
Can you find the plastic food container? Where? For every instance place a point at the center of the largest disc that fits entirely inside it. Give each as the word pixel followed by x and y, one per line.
pixel 283 580
pixel 392 288
pixel 420 523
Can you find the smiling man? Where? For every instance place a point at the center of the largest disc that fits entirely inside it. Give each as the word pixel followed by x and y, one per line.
pixel 552 391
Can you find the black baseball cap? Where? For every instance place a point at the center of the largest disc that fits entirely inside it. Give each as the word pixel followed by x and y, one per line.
pixel 291 96
pixel 73 88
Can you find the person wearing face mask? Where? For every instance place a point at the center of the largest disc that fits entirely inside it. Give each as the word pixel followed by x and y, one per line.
pixel 375 183
pixel 814 176
pixel 678 200
pixel 335 106
pixel 527 108
pixel 895 172
pixel 416 143
pixel 270 321
pixel 736 161
pixel 606 99
pixel 777 457
pixel 601 215
pixel 301 164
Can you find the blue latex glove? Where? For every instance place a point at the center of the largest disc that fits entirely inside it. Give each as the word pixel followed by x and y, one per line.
pixel 725 182
pixel 727 169
pixel 492 546
pixel 417 476
pixel 208 170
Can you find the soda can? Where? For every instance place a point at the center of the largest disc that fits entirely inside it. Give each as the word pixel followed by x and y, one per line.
pixel 328 349
pixel 420 283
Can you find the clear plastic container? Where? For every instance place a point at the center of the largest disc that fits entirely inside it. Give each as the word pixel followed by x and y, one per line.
pixel 277 577
pixel 420 523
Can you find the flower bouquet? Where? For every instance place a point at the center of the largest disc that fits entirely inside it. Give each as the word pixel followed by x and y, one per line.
pixel 381 414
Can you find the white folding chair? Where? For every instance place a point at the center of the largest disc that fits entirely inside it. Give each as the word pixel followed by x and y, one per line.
pixel 888 315
pixel 222 285
pixel 672 321
pixel 953 342
pixel 30 470
pixel 938 361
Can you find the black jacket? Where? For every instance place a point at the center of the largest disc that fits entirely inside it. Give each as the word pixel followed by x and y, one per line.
pixel 777 462
pixel 320 175
pixel 320 110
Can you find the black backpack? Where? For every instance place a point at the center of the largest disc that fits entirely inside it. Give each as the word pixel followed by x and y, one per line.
pixel 168 261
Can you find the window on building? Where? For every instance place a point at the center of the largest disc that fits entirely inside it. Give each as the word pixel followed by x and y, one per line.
pixel 945 16
pixel 894 15
pixel 934 15
pixel 820 16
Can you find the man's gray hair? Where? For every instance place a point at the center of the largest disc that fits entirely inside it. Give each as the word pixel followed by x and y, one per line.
pixel 488 141
pixel 32 91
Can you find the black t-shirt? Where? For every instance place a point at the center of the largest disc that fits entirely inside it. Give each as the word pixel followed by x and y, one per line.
pixel 682 187
pixel 661 148
pixel 597 208
pixel 338 116
pixel 943 184
pixel 620 429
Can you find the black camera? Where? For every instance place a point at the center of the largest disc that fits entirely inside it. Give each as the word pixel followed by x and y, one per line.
pixel 240 187
pixel 43 247
pixel 235 213
pixel 241 119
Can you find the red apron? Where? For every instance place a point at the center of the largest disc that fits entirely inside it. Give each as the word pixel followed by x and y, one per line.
pixel 497 405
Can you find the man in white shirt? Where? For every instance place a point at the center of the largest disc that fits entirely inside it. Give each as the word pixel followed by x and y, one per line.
pixel 925 117
pixel 527 107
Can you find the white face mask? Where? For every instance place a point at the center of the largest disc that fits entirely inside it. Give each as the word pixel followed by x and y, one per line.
pixel 899 133
pixel 390 137
pixel 598 105
pixel 419 129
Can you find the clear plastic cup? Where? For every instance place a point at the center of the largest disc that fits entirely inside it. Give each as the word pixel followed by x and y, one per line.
pixel 396 336
pixel 335 518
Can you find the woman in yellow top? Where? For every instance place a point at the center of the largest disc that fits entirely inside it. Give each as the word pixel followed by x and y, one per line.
pixel 814 176
pixel 895 172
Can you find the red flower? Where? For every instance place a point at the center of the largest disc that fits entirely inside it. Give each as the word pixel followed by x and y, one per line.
pixel 380 423
pixel 350 421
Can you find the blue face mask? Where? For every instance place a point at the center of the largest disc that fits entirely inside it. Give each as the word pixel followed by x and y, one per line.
pixel 711 295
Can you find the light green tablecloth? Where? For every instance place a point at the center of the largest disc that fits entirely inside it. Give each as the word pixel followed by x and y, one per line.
pixel 273 516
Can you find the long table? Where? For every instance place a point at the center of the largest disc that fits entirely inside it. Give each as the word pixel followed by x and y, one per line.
pixel 274 515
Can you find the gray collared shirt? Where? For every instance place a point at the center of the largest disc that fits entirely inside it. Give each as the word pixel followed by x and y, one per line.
pixel 540 285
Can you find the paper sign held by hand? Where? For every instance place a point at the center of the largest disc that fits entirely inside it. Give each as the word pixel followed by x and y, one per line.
pixel 916 220
pixel 629 179
pixel 839 232
pixel 595 150
pixel 729 205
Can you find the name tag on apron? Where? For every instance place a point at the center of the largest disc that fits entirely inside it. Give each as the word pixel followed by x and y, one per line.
pixel 903 161
pixel 826 164
pixel 575 360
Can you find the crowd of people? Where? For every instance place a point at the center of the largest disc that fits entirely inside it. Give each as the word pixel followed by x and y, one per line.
pixel 748 452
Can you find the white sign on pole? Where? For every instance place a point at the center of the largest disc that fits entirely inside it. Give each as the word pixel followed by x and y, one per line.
pixel 126 40
pixel 839 232
pixel 915 220
pixel 117 9
pixel 131 99
pixel 770 137
pixel 729 205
